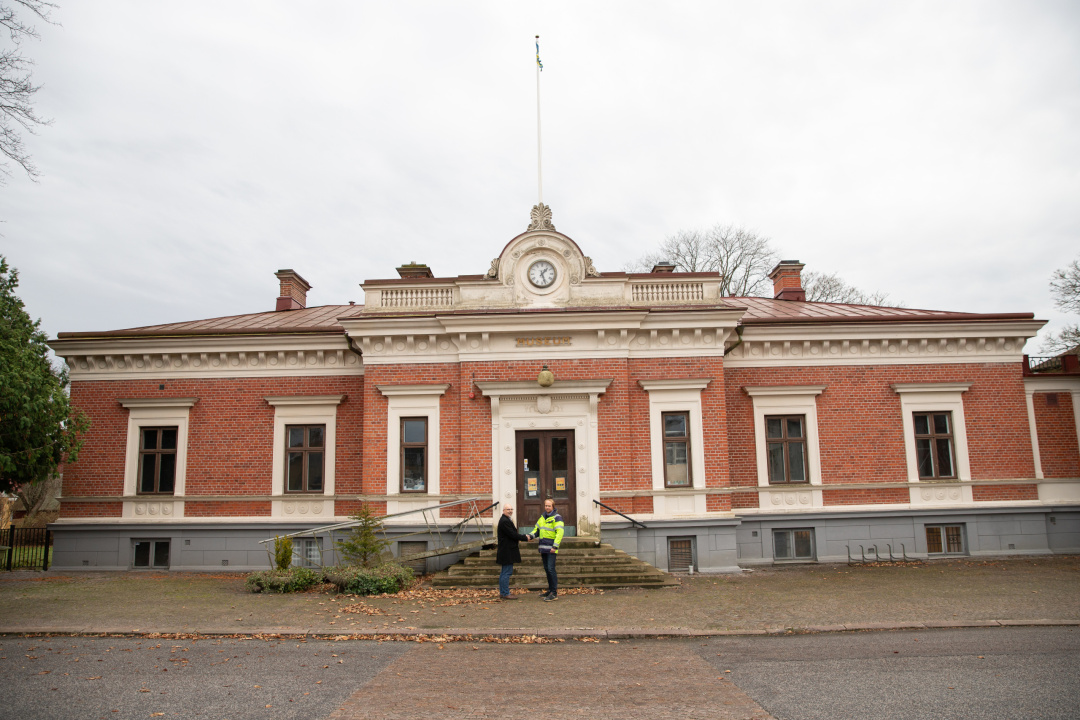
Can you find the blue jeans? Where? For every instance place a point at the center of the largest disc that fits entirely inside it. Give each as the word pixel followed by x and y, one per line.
pixel 549 568
pixel 504 579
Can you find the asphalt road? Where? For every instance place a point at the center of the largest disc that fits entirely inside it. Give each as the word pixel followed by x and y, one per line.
pixel 972 673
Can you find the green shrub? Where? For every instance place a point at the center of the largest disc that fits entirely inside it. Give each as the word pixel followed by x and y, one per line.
pixel 283 552
pixel 363 546
pixel 295 579
pixel 355 580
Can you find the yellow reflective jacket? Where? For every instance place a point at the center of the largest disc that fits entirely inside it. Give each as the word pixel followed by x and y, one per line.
pixel 549 529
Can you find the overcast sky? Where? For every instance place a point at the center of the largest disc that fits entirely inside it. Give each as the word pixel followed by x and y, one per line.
pixel 928 150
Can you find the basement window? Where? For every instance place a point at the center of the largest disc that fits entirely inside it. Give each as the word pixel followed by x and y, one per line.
pixel 945 539
pixel 794 544
pixel 307 552
pixel 680 554
pixel 151 554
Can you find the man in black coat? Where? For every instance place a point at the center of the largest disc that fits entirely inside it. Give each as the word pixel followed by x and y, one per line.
pixel 508 552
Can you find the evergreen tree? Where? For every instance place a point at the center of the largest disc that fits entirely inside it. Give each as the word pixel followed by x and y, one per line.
pixel 363 546
pixel 39 430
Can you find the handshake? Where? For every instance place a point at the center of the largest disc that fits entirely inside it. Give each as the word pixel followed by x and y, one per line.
pixel 529 537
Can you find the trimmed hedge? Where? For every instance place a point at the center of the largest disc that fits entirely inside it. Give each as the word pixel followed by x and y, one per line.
pixel 355 580
pixel 295 579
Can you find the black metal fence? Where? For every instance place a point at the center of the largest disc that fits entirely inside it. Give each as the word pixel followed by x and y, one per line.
pixel 25 548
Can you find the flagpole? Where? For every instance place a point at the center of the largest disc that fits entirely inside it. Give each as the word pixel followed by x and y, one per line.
pixel 539 146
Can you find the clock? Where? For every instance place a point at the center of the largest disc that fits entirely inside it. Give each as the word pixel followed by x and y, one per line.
pixel 542 273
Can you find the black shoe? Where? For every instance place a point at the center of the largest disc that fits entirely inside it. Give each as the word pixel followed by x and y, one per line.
pixel 551 596
pixel 543 595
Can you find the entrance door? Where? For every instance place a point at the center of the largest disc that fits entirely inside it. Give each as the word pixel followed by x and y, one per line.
pixel 545 469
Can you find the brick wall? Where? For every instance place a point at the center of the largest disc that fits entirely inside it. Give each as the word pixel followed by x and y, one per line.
pixel 227 508
pixel 859 420
pixel 1056 425
pixel 981 493
pixel 869 496
pixel 230 436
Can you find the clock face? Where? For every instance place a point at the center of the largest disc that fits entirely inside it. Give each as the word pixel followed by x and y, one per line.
pixel 542 273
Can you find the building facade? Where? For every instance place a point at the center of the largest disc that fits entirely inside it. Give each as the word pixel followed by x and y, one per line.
pixel 736 430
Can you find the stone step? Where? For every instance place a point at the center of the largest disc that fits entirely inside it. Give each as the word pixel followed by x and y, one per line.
pixel 583 562
pixel 597 580
pixel 537 569
pixel 534 558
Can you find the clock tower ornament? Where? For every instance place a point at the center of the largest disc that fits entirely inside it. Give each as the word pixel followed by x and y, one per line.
pixel 542 273
pixel 541 218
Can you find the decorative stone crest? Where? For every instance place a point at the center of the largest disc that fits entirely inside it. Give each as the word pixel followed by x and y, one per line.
pixel 541 218
pixel 543 404
pixel 590 271
pixel 493 271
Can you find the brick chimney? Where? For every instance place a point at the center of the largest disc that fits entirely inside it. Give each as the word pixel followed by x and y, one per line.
pixel 293 295
pixel 787 280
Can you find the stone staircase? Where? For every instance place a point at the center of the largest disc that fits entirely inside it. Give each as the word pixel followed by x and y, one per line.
pixel 583 562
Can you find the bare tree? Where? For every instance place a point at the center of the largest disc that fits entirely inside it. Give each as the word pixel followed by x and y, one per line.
pixel 1065 289
pixel 17 88
pixel 828 287
pixel 741 256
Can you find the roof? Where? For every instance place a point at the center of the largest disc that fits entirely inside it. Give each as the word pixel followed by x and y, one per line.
pixel 767 310
pixel 324 319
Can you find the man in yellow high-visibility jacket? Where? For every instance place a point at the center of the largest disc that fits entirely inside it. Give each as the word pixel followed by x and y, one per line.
pixel 549 529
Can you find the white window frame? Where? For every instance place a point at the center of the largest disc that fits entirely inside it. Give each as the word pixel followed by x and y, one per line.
pixel 786 400
pixel 934 397
pixel 678 395
pixel 412 401
pixel 304 410
pixel 156 412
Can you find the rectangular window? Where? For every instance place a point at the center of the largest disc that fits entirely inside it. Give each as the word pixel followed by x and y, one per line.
pixel 676 448
pixel 157 460
pixel 307 552
pixel 934 445
pixel 785 437
pixel 680 554
pixel 414 454
pixel 945 539
pixel 151 554
pixel 793 544
pixel 305 450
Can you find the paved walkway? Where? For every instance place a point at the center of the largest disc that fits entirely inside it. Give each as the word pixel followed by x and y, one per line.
pixel 550 681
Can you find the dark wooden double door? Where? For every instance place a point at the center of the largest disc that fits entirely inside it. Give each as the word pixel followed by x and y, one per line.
pixel 545 469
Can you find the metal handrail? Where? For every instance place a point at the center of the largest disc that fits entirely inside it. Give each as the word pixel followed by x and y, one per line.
pixel 432 530
pixel 635 522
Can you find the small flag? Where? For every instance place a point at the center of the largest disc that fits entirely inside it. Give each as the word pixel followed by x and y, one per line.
pixel 538 63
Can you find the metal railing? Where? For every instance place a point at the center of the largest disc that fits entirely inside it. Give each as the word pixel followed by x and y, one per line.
pixel 1051 365
pixel 473 523
pixel 611 509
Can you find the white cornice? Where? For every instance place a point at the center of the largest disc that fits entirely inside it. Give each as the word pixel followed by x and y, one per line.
pixel 1052 383
pixel 199 356
pixel 767 390
pixel 523 336
pixel 675 384
pixel 399 390
pixel 881 344
pixel 942 387
pixel 289 400
pixel 527 388
pixel 158 402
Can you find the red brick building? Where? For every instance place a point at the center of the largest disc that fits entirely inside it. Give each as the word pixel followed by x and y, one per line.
pixel 758 429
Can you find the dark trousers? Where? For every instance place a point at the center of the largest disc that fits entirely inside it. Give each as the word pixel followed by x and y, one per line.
pixel 549 569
